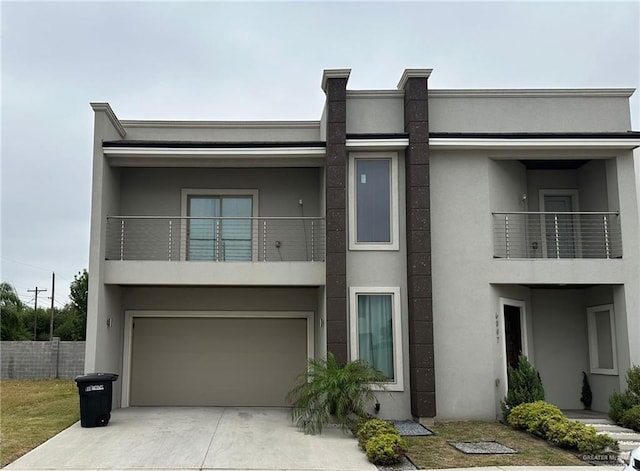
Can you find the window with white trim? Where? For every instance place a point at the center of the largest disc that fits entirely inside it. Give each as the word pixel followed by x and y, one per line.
pixel 219 224
pixel 375 323
pixel 373 201
pixel 602 340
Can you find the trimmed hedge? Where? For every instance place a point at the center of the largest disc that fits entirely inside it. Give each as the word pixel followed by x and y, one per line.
pixel 535 417
pixel 619 403
pixel 373 427
pixel 548 422
pixel 631 418
pixel 381 441
pixel 623 407
pixel 386 448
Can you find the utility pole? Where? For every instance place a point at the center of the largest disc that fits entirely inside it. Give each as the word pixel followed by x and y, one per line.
pixel 35 311
pixel 53 290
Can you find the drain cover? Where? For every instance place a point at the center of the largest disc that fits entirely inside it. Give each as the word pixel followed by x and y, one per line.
pixel 483 448
pixel 408 428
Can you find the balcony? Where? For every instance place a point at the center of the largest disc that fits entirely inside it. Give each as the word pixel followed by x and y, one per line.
pixel 556 235
pixel 215 239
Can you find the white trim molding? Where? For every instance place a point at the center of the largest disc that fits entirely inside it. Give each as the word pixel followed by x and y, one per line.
pixel 532 92
pixel 413 73
pixel 398 382
pixel 106 108
pixel 213 151
pixel 594 341
pixel 333 73
pixel 128 332
pixel 456 143
pixel 377 144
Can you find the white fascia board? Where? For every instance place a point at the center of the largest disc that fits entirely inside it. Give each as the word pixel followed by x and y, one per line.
pixel 532 93
pixel 549 143
pixel 213 152
pixel 378 144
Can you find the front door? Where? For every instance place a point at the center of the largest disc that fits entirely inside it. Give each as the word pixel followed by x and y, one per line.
pixel 512 334
pixel 559 227
pixel 215 236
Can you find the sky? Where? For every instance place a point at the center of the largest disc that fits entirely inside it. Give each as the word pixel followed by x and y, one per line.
pixel 248 61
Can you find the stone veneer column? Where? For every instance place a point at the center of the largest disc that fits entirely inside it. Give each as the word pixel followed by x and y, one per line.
pixel 419 292
pixel 334 84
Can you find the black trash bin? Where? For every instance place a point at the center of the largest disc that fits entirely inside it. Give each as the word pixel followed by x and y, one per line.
pixel 95 391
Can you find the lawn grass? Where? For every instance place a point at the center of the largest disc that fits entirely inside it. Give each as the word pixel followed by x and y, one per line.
pixel 31 412
pixel 435 451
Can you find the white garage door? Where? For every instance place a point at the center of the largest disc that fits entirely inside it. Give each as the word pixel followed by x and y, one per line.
pixel 216 361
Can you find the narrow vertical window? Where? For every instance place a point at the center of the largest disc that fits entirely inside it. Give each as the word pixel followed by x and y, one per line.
pixel 373 202
pixel 375 321
pixel 602 340
pixel 375 332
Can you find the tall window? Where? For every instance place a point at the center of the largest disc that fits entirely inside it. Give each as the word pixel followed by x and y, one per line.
pixel 376 331
pixel 373 202
pixel 219 227
pixel 602 340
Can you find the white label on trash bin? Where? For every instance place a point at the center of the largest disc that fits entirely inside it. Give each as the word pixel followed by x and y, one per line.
pixel 94 387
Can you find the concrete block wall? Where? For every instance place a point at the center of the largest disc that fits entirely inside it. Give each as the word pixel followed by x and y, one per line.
pixel 40 360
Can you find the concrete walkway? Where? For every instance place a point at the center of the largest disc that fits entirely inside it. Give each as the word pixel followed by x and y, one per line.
pixel 196 438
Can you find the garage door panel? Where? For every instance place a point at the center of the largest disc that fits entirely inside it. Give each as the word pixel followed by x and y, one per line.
pixel 216 361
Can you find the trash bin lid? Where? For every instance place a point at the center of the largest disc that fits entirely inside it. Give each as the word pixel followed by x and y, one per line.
pixel 93 377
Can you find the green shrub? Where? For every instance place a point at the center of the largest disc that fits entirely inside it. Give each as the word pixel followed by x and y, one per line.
pixel 587 395
pixel 569 434
pixel 386 449
pixel 565 433
pixel 535 417
pixel 372 428
pixel 525 386
pixel 590 442
pixel 631 418
pixel 619 403
pixel 633 380
pixel 547 421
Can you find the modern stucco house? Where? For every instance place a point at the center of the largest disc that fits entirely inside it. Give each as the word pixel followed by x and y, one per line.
pixel 435 233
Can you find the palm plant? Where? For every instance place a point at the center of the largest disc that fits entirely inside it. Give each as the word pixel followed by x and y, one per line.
pixel 328 389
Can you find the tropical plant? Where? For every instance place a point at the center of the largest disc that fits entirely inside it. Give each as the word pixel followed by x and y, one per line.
pixel 327 389
pixel 12 325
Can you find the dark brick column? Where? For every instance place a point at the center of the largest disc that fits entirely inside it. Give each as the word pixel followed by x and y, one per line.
pixel 416 124
pixel 334 84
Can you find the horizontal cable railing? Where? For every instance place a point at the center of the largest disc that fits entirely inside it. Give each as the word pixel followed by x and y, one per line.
pixel 216 239
pixel 557 235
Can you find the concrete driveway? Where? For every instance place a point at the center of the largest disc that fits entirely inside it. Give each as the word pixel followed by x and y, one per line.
pixel 196 438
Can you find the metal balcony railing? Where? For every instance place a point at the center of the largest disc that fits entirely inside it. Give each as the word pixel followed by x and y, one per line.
pixel 216 239
pixel 558 235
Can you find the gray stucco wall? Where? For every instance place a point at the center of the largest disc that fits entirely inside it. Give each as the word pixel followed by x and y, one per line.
pixel 40 360
pixel 562 345
pixel 503 111
pixel 225 131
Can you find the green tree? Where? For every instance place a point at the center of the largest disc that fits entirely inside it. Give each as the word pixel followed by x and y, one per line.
pixel 11 323
pixel 79 291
